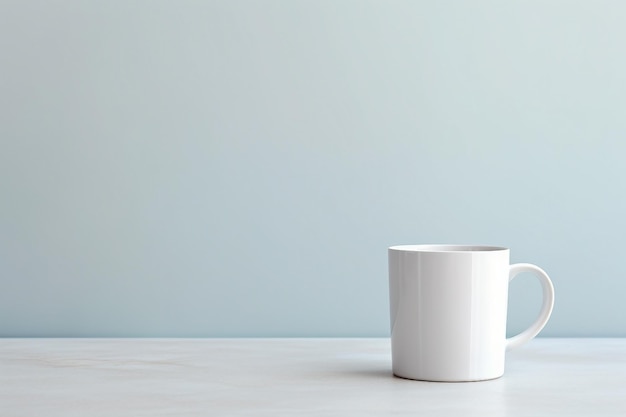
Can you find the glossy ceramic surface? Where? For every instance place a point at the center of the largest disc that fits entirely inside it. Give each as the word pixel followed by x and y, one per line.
pixel 448 310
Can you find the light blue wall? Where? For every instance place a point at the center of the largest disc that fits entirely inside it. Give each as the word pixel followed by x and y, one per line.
pixel 238 168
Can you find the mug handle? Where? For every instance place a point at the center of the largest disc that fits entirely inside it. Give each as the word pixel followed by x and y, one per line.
pixel 546 308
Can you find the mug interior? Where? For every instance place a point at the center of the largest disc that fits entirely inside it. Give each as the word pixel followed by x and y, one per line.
pixel 446 248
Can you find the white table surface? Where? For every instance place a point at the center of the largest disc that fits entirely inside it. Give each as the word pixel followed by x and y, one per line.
pixel 287 377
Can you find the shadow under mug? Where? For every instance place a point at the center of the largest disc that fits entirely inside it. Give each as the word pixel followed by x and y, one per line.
pixel 448 311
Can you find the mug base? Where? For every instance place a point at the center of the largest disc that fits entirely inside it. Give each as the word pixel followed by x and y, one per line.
pixel 449 380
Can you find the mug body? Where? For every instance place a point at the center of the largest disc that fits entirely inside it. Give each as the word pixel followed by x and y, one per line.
pixel 448 311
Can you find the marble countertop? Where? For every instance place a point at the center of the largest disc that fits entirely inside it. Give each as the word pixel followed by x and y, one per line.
pixel 287 377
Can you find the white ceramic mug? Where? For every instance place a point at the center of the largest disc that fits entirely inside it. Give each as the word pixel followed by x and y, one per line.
pixel 448 311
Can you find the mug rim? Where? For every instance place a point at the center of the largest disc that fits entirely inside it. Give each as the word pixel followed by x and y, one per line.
pixel 447 248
